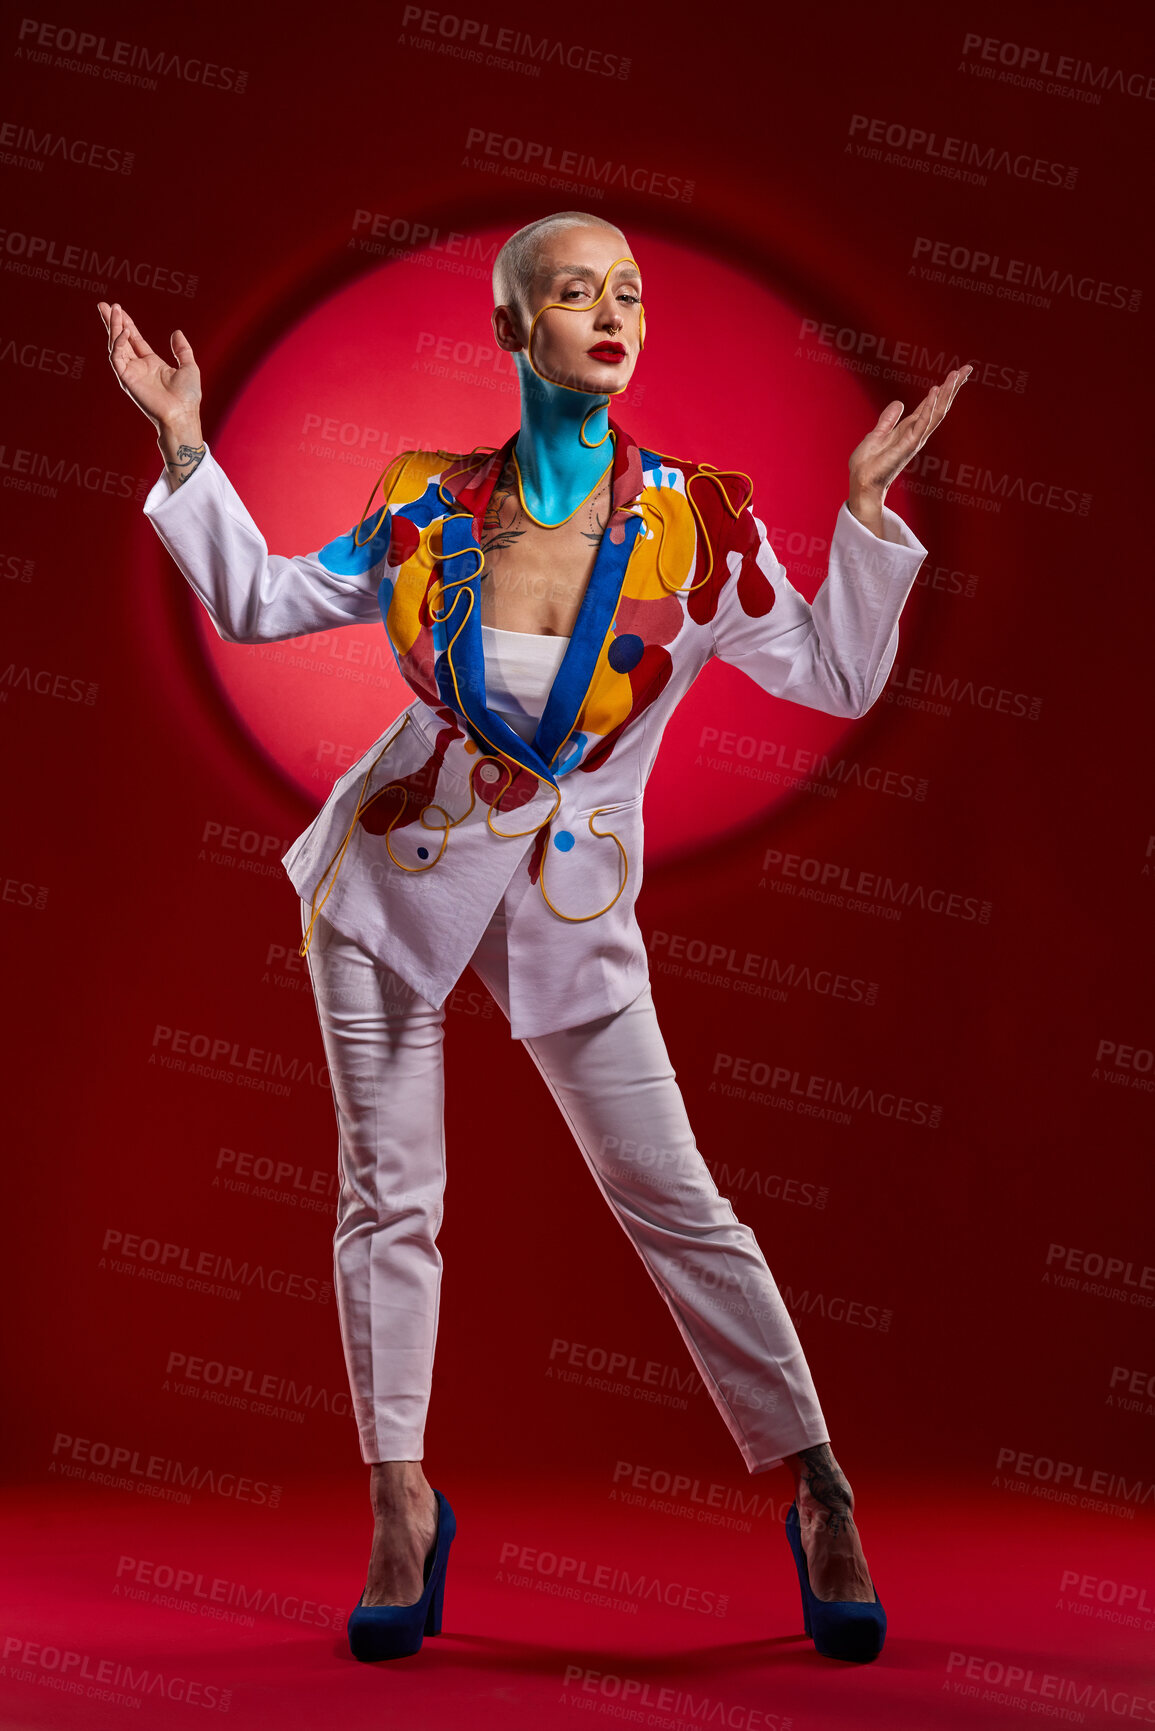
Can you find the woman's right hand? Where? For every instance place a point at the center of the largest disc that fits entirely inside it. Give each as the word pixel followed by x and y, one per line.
pixel 168 395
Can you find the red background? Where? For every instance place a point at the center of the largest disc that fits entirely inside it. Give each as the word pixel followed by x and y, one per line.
pixel 126 908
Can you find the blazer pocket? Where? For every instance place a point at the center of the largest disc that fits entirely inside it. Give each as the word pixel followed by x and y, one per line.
pixel 595 854
pixel 605 809
pixel 424 745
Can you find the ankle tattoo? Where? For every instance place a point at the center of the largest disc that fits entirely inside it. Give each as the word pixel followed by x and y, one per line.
pixel 826 1484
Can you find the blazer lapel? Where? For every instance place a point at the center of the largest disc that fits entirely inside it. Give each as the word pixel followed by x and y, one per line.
pixel 599 603
pixel 459 656
pixel 460 659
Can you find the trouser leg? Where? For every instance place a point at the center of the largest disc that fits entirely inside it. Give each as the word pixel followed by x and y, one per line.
pixel 616 1088
pixel 384 1047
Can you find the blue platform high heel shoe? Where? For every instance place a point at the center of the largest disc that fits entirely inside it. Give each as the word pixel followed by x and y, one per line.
pixel 397 1631
pixel 839 1628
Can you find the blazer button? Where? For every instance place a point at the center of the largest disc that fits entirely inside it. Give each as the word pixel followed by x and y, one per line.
pixel 489 772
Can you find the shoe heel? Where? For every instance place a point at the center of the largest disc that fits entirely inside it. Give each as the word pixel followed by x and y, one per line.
pixel 433 1615
pixel 794 1539
pixel 396 1631
pixel 840 1629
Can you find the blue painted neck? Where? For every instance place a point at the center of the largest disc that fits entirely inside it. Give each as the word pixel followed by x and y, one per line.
pixel 557 470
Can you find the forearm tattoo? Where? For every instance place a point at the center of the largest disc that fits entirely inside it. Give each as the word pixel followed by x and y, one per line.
pixel 827 1484
pixel 186 459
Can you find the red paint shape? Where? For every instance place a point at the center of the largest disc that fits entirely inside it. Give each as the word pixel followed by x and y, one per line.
pixel 653 621
pixel 755 594
pixel 404 540
pixel 417 789
pixel 537 853
pixel 647 681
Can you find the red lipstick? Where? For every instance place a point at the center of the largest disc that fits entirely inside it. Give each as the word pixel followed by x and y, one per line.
pixel 607 352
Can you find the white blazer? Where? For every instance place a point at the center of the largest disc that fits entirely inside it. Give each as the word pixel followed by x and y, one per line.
pixel 450 810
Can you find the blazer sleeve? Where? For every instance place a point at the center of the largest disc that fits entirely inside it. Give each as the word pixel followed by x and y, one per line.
pixel 836 652
pixel 252 595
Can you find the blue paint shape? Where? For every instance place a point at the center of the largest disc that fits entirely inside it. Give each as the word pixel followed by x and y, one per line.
pixel 571 754
pixel 344 559
pixel 564 840
pixel 625 652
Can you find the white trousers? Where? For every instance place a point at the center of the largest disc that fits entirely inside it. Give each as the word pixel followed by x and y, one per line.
pixel 616 1089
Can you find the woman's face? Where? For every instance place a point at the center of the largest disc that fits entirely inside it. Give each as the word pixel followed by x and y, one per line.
pixel 595 346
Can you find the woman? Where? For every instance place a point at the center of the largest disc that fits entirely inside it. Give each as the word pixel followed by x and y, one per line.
pixel 548 604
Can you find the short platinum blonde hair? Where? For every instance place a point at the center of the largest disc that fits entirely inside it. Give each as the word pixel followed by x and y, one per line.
pixel 515 267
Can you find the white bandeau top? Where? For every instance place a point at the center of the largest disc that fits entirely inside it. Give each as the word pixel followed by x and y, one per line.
pixel 520 668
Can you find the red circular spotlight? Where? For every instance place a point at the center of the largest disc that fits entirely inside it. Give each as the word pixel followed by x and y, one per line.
pixel 405 357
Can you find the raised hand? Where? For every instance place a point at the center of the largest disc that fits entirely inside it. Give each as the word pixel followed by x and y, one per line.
pixel 163 391
pixel 169 395
pixel 891 443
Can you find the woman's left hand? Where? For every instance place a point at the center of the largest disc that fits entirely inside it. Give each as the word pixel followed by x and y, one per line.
pixel 893 441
